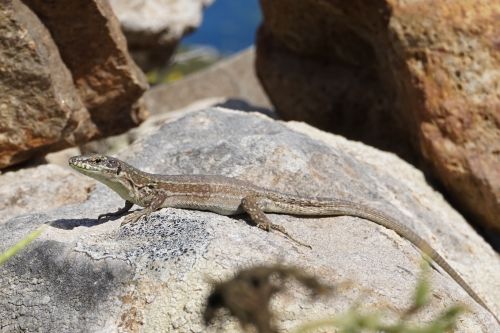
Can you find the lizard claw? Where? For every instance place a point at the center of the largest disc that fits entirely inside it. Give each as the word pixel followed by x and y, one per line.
pixel 103 216
pixel 109 215
pixel 129 219
pixel 271 226
pixel 281 229
pixel 119 212
pixel 134 217
pixel 265 226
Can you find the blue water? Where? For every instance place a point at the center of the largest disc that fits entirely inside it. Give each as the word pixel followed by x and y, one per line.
pixel 228 25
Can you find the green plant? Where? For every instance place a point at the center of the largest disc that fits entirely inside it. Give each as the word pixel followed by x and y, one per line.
pixel 247 296
pixel 6 255
pixel 355 320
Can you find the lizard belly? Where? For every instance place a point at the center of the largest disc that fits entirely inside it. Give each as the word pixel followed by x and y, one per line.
pixel 228 207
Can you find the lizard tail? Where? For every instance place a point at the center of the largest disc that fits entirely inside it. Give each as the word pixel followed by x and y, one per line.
pixel 302 206
pixel 422 245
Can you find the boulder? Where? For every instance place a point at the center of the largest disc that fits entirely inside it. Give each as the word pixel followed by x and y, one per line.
pixel 418 78
pixel 93 47
pixel 154 27
pixel 93 276
pixel 40 109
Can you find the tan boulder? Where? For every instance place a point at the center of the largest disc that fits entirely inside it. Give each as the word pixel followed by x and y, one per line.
pixel 420 78
pixel 65 78
pixel 93 47
pixel 39 105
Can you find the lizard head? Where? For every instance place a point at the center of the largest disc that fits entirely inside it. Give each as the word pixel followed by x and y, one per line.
pixel 117 175
pixel 97 166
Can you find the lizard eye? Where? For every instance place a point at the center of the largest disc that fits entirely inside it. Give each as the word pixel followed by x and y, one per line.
pixel 98 160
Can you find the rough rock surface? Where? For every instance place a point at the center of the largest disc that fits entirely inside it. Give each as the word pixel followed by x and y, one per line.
pixel 107 79
pixel 230 78
pixel 85 275
pixel 154 27
pixel 40 189
pixel 420 78
pixel 115 144
pixel 39 105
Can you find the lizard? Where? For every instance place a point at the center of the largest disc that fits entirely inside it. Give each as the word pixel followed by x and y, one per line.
pixel 231 196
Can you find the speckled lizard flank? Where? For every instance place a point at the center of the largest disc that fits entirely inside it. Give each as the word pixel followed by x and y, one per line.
pixel 229 196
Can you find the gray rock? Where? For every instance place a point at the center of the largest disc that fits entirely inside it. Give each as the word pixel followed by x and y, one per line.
pixel 169 18
pixel 82 275
pixel 230 78
pixel 154 27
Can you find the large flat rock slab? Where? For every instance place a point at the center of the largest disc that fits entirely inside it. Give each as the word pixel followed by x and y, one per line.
pixel 85 275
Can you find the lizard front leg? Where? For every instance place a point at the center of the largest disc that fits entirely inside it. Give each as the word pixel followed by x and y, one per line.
pixel 153 206
pixel 119 212
pixel 252 205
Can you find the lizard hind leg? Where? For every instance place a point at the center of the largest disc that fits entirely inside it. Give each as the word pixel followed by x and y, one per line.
pixel 253 207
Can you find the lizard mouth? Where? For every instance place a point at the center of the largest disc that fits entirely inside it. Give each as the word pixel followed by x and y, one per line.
pixel 94 165
pixel 80 165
